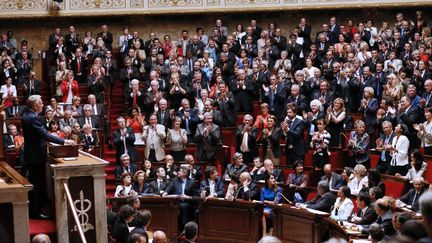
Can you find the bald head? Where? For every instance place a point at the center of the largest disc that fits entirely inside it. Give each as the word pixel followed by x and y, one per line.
pixel 41 238
pixel 159 237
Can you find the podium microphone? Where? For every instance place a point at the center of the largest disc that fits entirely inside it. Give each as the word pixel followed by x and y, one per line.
pixel 286 199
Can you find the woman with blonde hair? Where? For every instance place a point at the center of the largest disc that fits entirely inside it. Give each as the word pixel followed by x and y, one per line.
pixel 359 144
pixel 335 121
pixel 360 179
pixel 393 88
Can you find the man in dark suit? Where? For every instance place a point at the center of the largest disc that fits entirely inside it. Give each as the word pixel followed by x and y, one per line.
pixel 127 74
pixel 293 129
pixel 296 99
pixel 111 67
pixel 248 190
pixel 366 213
pixel 325 96
pixel 163 115
pixel 125 166
pixel 426 99
pixel 411 198
pixel 35 152
pixel 124 139
pixel 88 117
pixel 385 139
pixel 216 114
pixel 184 187
pixel 324 199
pixel 189 119
pixel 159 185
pixel 67 119
pixel 96 85
pixel 305 31
pixel 280 40
pixel 246 136
pixel 242 90
pixel 78 65
pixel 31 86
pixel 53 39
pixel 409 115
pixel 236 167
pixel 212 185
pixel 295 53
pixel 208 138
pixel 256 30
pixel 332 178
pixel 71 41
pixel 196 46
pixel 194 170
pixel 107 37
pixel 225 103
pixel 170 168
pixel 136 96
pixel 16 110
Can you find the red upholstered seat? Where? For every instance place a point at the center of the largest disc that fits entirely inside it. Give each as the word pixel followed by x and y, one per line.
pixel 394 189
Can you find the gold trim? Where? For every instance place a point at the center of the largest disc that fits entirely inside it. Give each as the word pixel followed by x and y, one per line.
pixel 245 9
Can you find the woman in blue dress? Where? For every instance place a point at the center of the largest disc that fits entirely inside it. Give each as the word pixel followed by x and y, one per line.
pixel 270 194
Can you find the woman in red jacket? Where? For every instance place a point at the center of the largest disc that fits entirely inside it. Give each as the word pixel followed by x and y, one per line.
pixel 69 88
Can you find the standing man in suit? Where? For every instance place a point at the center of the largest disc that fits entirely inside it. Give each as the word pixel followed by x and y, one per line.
pixel 411 198
pixel 426 99
pixel 409 115
pixel 35 153
pixel 107 37
pixel 184 187
pixel 208 138
pixel 256 30
pixel 31 85
pixel 79 66
pixel 246 136
pixel 163 114
pixel 382 142
pixel 88 117
pixel 243 91
pixel 153 137
pixel 212 185
pixel 305 31
pixel 225 103
pixel 158 186
pixel 124 139
pixel 222 29
pixel 293 130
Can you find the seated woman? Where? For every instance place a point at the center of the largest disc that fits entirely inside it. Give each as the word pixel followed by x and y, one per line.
pixel 270 194
pixel 343 206
pixel 140 184
pixel 359 145
pixel 298 180
pixel 418 166
pixel 346 177
pixel 150 173
pixel 360 179
pixel 136 121
pixel 58 110
pixel 177 140
pixel 125 188
pixel 232 187
pixel 76 107
pixel 53 128
pixel 9 91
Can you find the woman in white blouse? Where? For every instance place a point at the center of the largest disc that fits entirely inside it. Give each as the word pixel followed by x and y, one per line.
pixel 399 151
pixel 343 206
pixel 125 189
pixel 9 91
pixel 360 179
pixel 418 165
pixel 425 131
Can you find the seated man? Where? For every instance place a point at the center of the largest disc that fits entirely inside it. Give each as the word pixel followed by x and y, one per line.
pixel 269 169
pixel 236 168
pixel 332 178
pixel 157 186
pixel 190 232
pixel 16 110
pixel 184 187
pixel 195 170
pixel 366 214
pixel 89 118
pixel 247 190
pixel 88 137
pixel 258 169
pixel 212 185
pixel 67 119
pixel 385 215
pixel 410 199
pixel 324 199
pixel 125 166
pixel 170 168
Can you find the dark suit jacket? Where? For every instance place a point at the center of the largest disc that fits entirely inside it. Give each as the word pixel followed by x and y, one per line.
pixel 94 121
pixel 34 130
pixel 369 113
pixel 409 118
pixel 139 100
pixel 153 187
pixel 328 99
pixel 120 231
pixel 301 103
pixel 197 51
pixel 119 170
pixel 336 181
pixel 243 98
pixel 409 199
pixel 294 137
pixel 174 188
pixel 252 136
pixel 232 170
pixel 130 140
pixel 9 111
pixel 35 91
pixel 197 175
pixel 368 217
pixel 274 139
pixel 87 143
pixel 207 146
pixel 219 187
pixel 252 194
pixel 278 173
pixel 166 121
pixel 322 203
pixel 83 69
pixel 226 106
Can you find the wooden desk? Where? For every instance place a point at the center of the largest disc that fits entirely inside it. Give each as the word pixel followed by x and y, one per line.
pixel 229 222
pixel 291 224
pixel 337 231
pixel 164 212
pixel 14 219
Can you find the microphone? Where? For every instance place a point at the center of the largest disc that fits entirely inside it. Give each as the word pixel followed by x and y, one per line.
pixel 286 199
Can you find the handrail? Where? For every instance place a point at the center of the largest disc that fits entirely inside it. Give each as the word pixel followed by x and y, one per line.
pixel 74 213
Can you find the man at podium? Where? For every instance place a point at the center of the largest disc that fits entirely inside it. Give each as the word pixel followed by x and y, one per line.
pixel 35 153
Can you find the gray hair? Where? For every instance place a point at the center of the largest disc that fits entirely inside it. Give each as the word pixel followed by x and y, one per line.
pixel 88 106
pixel 32 100
pixel 316 102
pixel 134 81
pixel 323 185
pixel 236 156
pixel 387 123
pixel 425 203
pixel 124 156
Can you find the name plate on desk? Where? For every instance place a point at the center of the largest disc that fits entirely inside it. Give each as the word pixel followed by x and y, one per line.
pixel 61 151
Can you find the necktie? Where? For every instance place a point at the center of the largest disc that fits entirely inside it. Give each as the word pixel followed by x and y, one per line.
pixel 383 157
pixel 78 66
pixel 414 198
pixel 134 100
pixel 88 121
pixel 162 115
pixel 158 185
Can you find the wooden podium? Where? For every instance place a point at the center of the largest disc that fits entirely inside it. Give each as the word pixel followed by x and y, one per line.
pixel 85 179
pixel 14 219
pixel 292 224
pixel 229 222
